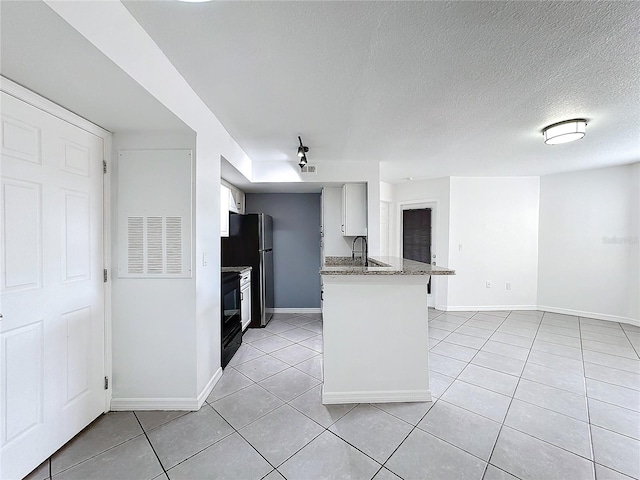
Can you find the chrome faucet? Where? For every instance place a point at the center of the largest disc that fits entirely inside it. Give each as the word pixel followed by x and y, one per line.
pixel 365 252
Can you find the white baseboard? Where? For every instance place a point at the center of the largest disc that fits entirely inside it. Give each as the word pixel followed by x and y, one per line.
pixel 188 404
pixel 127 404
pixel 208 387
pixel 294 310
pixel 541 308
pixel 377 397
pixel 486 308
pixel 597 316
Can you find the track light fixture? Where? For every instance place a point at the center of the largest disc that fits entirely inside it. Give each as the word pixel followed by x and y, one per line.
pixel 302 153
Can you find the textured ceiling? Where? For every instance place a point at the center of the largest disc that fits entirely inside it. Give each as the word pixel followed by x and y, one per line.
pixel 429 89
pixel 43 53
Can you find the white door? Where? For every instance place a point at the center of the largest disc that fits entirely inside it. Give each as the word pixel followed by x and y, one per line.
pixel 52 331
pixel 425 234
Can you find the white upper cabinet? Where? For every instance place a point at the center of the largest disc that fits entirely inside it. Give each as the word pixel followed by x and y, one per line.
pixel 354 209
pixel 236 200
pixel 333 241
pixel 224 211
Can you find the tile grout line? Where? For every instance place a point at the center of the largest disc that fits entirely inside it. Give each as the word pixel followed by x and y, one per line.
pixel 265 459
pixel 455 331
pixel 415 426
pixel 199 451
pixel 97 454
pixel 591 425
pixel 504 419
pixel 540 324
pixel 629 340
pixel 467 363
pixel 610 383
pixel 586 397
pixel 588 423
pixel 285 403
pixel 549 410
pixel 164 470
pixel 325 429
pixel 484 472
pixel 434 404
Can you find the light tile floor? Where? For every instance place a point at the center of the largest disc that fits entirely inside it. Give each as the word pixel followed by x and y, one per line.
pixel 527 395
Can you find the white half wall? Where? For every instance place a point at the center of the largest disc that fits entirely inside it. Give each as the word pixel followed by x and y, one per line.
pixel 589 261
pixel 493 238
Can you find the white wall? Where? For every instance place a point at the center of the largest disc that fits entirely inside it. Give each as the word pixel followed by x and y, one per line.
pixel 386 192
pixel 150 316
pixel 496 222
pixel 113 30
pixel 427 191
pixel 589 243
pixel 634 256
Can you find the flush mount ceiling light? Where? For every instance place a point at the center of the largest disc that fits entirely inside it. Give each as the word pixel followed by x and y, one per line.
pixel 563 132
pixel 302 153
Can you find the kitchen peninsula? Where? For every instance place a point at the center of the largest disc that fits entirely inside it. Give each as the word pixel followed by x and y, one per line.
pixel 375 327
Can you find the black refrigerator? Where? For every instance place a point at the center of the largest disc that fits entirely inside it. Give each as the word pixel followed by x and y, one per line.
pixel 250 243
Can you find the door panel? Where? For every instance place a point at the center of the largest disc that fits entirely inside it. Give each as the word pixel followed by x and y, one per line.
pixel 22 235
pixel 22 368
pixel 52 333
pixel 416 234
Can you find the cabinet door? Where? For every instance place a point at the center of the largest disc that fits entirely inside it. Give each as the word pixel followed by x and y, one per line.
pixel 240 202
pixel 333 239
pixel 354 209
pixel 224 211
pixel 236 200
pixel 245 306
pixel 233 207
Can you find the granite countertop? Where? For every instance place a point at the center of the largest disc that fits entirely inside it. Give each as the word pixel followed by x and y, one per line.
pixel 234 269
pixel 380 266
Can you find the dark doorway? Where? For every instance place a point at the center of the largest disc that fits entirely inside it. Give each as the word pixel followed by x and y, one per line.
pixel 416 236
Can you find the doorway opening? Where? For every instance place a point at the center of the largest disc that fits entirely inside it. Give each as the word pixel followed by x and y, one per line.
pixel 417 236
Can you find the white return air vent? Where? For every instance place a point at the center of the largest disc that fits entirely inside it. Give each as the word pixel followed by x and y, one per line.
pixel 154 246
pixel 310 169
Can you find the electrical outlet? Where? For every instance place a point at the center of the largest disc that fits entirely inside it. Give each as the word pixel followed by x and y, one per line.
pixel 508 285
pixel 459 247
pixel 488 284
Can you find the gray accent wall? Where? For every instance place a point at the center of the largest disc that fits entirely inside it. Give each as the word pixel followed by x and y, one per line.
pixel 296 245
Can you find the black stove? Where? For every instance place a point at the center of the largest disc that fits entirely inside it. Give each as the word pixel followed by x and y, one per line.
pixel 231 328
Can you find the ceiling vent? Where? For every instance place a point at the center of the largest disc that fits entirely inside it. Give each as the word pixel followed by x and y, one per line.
pixel 309 168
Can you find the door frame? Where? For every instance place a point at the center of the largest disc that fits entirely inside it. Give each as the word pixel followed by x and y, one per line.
pixel 431 203
pixel 21 93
